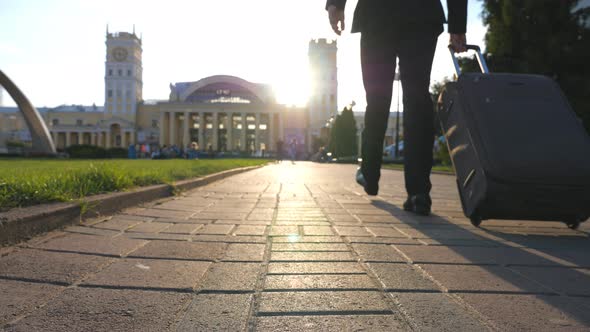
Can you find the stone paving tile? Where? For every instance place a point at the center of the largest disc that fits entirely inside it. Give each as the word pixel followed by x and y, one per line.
pixel 341 217
pixel 86 230
pixel 306 239
pixel 117 246
pixel 333 256
pixel 332 281
pixel 382 240
pixel 220 215
pixel 385 232
pixel 377 253
pixel 565 280
pixel 157 236
pixel 253 222
pixel 117 224
pixel 149 227
pixel 50 266
pixel 217 312
pixel 184 221
pixel 468 255
pixel 249 230
pixel 284 230
pixel 21 297
pixel 315 268
pixel 83 309
pixel 310 247
pixel 245 252
pixel 352 231
pixel 301 223
pixel 397 277
pixel 259 217
pixel 437 312
pixel 214 229
pixel 481 278
pixel 229 238
pixel 318 302
pixel 156 213
pixel 337 323
pixel 379 219
pixel 317 230
pixel 182 228
pixel 150 273
pixel 231 277
pixel 530 312
pixel 180 250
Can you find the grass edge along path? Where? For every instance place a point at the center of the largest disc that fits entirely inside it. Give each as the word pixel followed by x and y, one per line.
pixel 29 182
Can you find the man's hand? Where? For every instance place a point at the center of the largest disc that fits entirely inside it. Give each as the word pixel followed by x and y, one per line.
pixel 458 42
pixel 336 16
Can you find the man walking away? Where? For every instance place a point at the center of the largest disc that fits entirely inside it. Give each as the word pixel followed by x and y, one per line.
pixel 406 30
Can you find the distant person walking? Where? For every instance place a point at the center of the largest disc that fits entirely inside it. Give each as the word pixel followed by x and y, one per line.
pixel 279 150
pixel 293 149
pixel 404 30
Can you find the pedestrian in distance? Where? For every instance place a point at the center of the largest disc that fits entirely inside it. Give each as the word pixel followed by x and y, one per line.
pixel 406 31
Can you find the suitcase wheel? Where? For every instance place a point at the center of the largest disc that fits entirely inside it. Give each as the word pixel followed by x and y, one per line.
pixel 476 220
pixel 572 224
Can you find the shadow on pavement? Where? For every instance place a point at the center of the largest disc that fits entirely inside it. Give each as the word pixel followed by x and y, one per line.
pixel 553 269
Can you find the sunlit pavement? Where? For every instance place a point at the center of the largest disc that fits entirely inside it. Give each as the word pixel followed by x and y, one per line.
pixel 299 247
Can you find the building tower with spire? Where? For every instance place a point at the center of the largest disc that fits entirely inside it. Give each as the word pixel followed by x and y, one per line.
pixel 123 75
pixel 323 65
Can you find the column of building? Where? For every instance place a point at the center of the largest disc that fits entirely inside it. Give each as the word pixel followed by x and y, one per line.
pixel 215 141
pixel 202 126
pixel 243 132
pixel 162 128
pixel 172 129
pixel 230 129
pixel 185 131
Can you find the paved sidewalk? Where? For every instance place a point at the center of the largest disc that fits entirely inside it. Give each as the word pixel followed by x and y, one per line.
pixel 298 247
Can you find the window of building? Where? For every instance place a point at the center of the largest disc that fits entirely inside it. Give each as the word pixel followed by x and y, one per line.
pixel 120 72
pixel 118 93
pixel 79 122
pixel 128 72
pixel 110 72
pixel 55 122
pixel 110 93
pixel 128 107
pixel 262 127
pixel 128 93
pixel 155 124
pixel 332 98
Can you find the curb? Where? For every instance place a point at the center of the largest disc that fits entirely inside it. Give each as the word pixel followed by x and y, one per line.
pixel 22 224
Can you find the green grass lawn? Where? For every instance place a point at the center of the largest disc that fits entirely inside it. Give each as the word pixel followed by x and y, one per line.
pixel 434 168
pixel 25 182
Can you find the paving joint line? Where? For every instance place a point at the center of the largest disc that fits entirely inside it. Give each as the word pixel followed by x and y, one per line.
pixel 380 287
pixel 261 278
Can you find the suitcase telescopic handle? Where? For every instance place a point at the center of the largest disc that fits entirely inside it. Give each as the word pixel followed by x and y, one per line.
pixel 482 62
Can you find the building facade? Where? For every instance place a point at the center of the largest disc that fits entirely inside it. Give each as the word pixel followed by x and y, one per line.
pixel 219 113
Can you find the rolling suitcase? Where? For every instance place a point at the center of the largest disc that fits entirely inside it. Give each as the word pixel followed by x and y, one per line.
pixel 518 150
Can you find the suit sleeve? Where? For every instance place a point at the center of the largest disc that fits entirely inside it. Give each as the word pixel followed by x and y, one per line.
pixel 338 3
pixel 457 16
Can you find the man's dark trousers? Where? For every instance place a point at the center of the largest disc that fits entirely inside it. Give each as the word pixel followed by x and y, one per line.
pixel 415 51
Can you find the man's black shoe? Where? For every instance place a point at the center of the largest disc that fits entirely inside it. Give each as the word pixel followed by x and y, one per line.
pixel 419 204
pixel 371 189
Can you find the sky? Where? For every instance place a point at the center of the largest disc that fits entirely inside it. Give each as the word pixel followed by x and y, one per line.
pixel 54 50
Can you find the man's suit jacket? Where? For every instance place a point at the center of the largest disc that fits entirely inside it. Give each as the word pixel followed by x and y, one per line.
pixel 381 16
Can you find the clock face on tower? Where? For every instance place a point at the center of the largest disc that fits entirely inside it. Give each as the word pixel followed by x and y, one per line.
pixel 119 54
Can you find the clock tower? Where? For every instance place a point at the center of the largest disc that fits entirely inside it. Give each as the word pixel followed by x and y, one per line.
pixel 123 75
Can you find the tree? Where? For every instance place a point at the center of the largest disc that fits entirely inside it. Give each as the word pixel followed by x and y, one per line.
pixel 343 138
pixel 544 37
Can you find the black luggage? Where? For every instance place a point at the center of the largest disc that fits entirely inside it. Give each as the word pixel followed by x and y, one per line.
pixel 518 149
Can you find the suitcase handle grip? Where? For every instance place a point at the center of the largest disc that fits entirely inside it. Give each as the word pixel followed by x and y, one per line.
pixel 480 59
